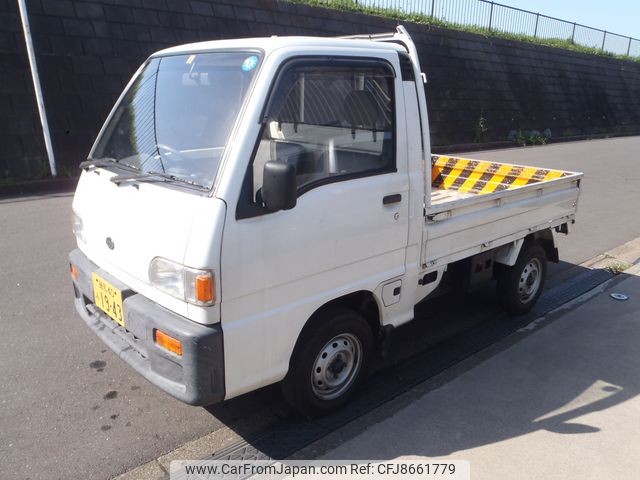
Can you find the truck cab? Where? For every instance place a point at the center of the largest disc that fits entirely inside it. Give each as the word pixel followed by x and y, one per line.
pixel 259 210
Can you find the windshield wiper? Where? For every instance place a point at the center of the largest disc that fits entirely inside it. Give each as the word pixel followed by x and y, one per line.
pixel 92 163
pixel 142 177
pixel 152 177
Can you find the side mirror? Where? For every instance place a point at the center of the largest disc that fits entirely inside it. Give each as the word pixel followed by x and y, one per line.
pixel 279 186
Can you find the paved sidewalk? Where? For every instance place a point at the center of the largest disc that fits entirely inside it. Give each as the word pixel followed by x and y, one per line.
pixel 563 403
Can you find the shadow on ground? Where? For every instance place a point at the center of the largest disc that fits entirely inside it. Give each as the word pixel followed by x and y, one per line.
pixel 446 331
pixel 583 364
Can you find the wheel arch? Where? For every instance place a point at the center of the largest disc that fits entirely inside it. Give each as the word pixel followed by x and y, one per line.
pixel 362 301
pixel 507 255
pixel 547 241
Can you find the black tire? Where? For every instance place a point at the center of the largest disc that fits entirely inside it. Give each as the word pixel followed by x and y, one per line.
pixel 341 335
pixel 520 286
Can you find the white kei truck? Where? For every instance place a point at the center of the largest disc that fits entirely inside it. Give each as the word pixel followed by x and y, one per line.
pixel 267 210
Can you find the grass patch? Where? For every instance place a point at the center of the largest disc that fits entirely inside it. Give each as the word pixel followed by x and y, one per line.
pixel 565 44
pixel 617 267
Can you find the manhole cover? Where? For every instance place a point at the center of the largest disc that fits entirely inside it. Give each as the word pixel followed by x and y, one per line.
pixel 619 296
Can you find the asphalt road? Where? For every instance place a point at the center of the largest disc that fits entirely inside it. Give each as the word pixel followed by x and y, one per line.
pixel 69 408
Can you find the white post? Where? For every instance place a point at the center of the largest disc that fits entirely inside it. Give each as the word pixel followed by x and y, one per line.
pixel 36 85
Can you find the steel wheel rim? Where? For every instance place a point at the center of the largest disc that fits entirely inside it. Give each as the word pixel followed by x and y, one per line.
pixel 336 366
pixel 530 280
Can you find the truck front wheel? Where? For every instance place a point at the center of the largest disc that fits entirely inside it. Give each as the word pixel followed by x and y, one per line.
pixel 520 286
pixel 330 360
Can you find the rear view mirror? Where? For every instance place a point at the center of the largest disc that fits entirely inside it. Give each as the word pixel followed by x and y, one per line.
pixel 279 186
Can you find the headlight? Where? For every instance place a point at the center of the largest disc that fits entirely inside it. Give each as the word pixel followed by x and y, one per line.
pixel 78 227
pixel 189 284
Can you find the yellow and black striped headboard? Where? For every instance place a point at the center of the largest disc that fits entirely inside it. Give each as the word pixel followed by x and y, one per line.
pixel 480 176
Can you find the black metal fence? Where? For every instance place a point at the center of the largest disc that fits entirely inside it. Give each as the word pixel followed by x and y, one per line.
pixel 496 17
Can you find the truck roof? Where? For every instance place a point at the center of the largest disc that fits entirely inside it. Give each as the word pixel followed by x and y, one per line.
pixel 269 44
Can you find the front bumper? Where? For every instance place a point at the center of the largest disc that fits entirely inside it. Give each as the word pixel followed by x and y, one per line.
pixel 196 377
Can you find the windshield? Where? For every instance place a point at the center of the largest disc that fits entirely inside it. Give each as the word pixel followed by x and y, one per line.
pixel 178 113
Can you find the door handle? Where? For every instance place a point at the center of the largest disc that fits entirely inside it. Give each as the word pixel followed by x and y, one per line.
pixel 389 199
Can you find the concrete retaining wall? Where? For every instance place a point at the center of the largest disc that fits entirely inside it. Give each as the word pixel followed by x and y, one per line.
pixel 87 50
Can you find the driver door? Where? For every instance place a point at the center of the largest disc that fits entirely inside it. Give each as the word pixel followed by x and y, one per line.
pixel 336 122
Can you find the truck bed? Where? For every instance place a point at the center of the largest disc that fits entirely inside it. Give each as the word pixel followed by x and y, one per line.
pixel 453 178
pixel 476 205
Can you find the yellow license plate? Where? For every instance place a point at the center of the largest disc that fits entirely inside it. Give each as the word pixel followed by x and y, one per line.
pixel 108 299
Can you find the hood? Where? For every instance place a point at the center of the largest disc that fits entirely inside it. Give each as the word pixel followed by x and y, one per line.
pixel 126 226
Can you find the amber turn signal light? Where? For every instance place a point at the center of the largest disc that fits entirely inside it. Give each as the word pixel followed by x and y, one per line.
pixel 74 271
pixel 204 288
pixel 167 341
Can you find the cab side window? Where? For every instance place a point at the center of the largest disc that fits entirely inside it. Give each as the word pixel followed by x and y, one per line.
pixel 332 121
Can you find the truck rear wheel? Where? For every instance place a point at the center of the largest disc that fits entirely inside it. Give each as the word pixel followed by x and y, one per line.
pixel 330 361
pixel 520 286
